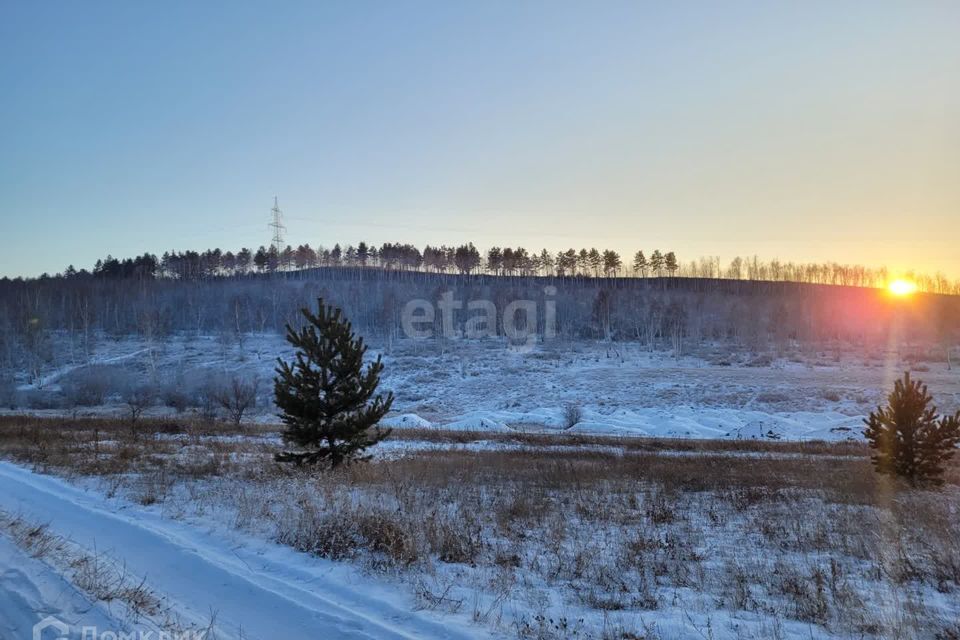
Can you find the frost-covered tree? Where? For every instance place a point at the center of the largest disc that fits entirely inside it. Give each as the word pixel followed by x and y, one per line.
pixel 909 439
pixel 325 395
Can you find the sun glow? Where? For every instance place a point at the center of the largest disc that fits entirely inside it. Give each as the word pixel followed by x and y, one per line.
pixel 902 287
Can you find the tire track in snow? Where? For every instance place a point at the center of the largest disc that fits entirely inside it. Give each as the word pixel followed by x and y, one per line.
pixel 30 591
pixel 258 595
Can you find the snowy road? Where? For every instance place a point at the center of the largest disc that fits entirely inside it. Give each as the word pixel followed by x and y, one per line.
pixel 30 592
pixel 256 592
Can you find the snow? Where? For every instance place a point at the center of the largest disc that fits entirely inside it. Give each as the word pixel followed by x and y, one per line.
pixel 406 421
pixel 30 592
pixel 262 590
pixel 676 422
pixel 257 590
pixel 476 421
pixel 620 388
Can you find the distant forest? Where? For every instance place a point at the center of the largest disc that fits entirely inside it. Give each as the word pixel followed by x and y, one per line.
pixel 468 260
pixel 665 307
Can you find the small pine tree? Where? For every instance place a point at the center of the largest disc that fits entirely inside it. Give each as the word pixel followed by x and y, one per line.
pixel 909 439
pixel 326 396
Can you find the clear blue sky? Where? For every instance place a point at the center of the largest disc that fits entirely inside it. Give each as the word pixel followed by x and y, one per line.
pixel 799 130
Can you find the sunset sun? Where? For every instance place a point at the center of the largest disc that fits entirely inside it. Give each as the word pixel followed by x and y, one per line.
pixel 901 287
pixel 463 319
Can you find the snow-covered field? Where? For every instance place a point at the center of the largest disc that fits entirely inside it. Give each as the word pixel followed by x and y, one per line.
pixel 616 388
pixel 435 540
pixel 516 500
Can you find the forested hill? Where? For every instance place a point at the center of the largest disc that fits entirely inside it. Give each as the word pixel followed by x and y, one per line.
pixel 688 309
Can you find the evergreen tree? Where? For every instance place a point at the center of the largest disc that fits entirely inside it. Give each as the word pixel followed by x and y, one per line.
pixel 670 263
pixel 909 439
pixel 326 396
pixel 273 259
pixel 363 254
pixel 546 262
pixel 494 260
pixel 466 258
pixel 611 263
pixel 595 260
pixel 583 261
pixel 640 264
pixel 566 262
pixel 508 262
pixel 656 262
pixel 244 258
pixel 521 261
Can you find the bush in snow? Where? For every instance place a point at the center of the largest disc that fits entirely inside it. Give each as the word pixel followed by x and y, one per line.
pixel 39 399
pixel 175 394
pixel 237 396
pixel 138 396
pixel 91 385
pixel 194 388
pixel 572 414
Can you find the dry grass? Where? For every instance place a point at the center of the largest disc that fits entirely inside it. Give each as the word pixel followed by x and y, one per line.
pixel 814 447
pixel 724 539
pixel 99 577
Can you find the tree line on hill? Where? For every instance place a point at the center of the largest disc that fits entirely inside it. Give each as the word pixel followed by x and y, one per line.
pixel 48 322
pixel 466 259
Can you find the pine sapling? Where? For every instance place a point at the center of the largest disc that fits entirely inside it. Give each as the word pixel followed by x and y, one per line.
pixel 909 439
pixel 326 396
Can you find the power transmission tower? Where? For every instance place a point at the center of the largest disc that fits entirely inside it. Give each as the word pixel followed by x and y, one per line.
pixel 278 228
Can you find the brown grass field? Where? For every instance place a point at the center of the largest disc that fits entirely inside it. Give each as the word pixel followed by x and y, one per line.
pixel 769 539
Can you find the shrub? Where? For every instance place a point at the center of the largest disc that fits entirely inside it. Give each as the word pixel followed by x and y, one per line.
pixel 139 396
pixel 572 414
pixel 39 400
pixel 174 393
pixel 90 386
pixel 348 531
pixel 237 396
pixel 8 392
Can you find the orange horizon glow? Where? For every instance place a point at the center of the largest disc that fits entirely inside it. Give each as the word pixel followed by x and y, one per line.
pixel 901 287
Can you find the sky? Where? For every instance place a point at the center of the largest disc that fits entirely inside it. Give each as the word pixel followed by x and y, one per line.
pixel 802 131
